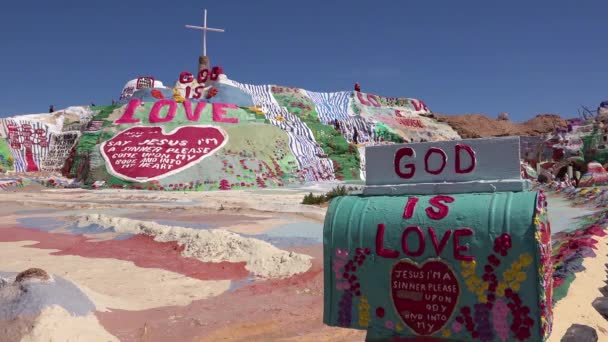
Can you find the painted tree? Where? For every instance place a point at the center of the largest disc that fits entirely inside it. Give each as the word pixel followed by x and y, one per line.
pixel 224 185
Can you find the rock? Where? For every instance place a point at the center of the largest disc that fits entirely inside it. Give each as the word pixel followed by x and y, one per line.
pixel 604 291
pixel 580 333
pixel 503 116
pixel 601 305
pixel 32 273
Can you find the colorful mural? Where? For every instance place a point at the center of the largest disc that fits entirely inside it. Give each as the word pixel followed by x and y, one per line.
pixel 209 132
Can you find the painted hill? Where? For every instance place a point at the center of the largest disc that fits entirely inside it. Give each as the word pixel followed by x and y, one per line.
pixel 214 135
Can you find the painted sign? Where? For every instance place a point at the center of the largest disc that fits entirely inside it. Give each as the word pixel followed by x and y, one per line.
pixel 459 267
pixel 426 295
pixel 142 154
pixel 371 100
pixel 468 164
pixel 29 142
pixel 59 150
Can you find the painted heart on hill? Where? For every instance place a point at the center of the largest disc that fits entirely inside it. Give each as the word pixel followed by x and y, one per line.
pixel 424 296
pixel 143 154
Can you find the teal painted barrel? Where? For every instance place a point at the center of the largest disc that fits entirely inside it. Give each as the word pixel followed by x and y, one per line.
pixel 466 267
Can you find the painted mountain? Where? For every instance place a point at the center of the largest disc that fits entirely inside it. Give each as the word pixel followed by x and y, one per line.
pixel 209 132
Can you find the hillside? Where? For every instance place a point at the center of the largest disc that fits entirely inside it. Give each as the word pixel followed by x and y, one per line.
pixel 218 135
pixel 481 126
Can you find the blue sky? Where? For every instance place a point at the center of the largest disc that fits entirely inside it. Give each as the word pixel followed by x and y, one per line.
pixel 523 58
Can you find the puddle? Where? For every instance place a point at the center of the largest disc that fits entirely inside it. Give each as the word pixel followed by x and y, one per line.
pixel 35 211
pixel 237 284
pixel 185 224
pixel 41 223
pixel 91 229
pixel 124 236
pixel 285 242
pixel 301 229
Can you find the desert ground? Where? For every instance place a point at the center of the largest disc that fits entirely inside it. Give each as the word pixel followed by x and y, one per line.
pixel 143 266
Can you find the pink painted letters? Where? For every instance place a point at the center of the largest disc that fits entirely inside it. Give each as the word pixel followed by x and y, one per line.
pixel 127 117
pixel 218 112
pixel 155 112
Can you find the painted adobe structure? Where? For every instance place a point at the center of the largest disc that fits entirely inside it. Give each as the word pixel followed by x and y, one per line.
pixel 209 132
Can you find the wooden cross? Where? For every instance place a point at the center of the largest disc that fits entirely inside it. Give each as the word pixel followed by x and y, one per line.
pixel 204 28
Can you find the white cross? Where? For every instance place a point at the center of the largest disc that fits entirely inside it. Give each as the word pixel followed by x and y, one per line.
pixel 205 29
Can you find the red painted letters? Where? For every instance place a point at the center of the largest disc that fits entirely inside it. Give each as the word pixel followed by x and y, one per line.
pixel 202 76
pixel 404 152
pixel 471 153
pixel 444 240
pixel 401 153
pixel 385 253
pixel 442 209
pixel 216 71
pixel 197 111
pixel 127 117
pixel 437 210
pixel 421 241
pixel 444 159
pixel 418 105
pixel 409 207
pixel 218 112
pixel 438 246
pixel 457 247
pixel 372 100
pixel 362 100
pixel 185 77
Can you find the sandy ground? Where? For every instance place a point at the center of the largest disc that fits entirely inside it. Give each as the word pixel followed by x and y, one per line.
pixel 576 307
pixel 145 290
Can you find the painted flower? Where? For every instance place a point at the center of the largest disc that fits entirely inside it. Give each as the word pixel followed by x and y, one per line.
pixel 526 260
pixel 500 289
pixel 515 286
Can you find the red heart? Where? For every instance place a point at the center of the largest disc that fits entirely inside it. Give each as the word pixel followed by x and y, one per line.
pixel 424 297
pixel 141 154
